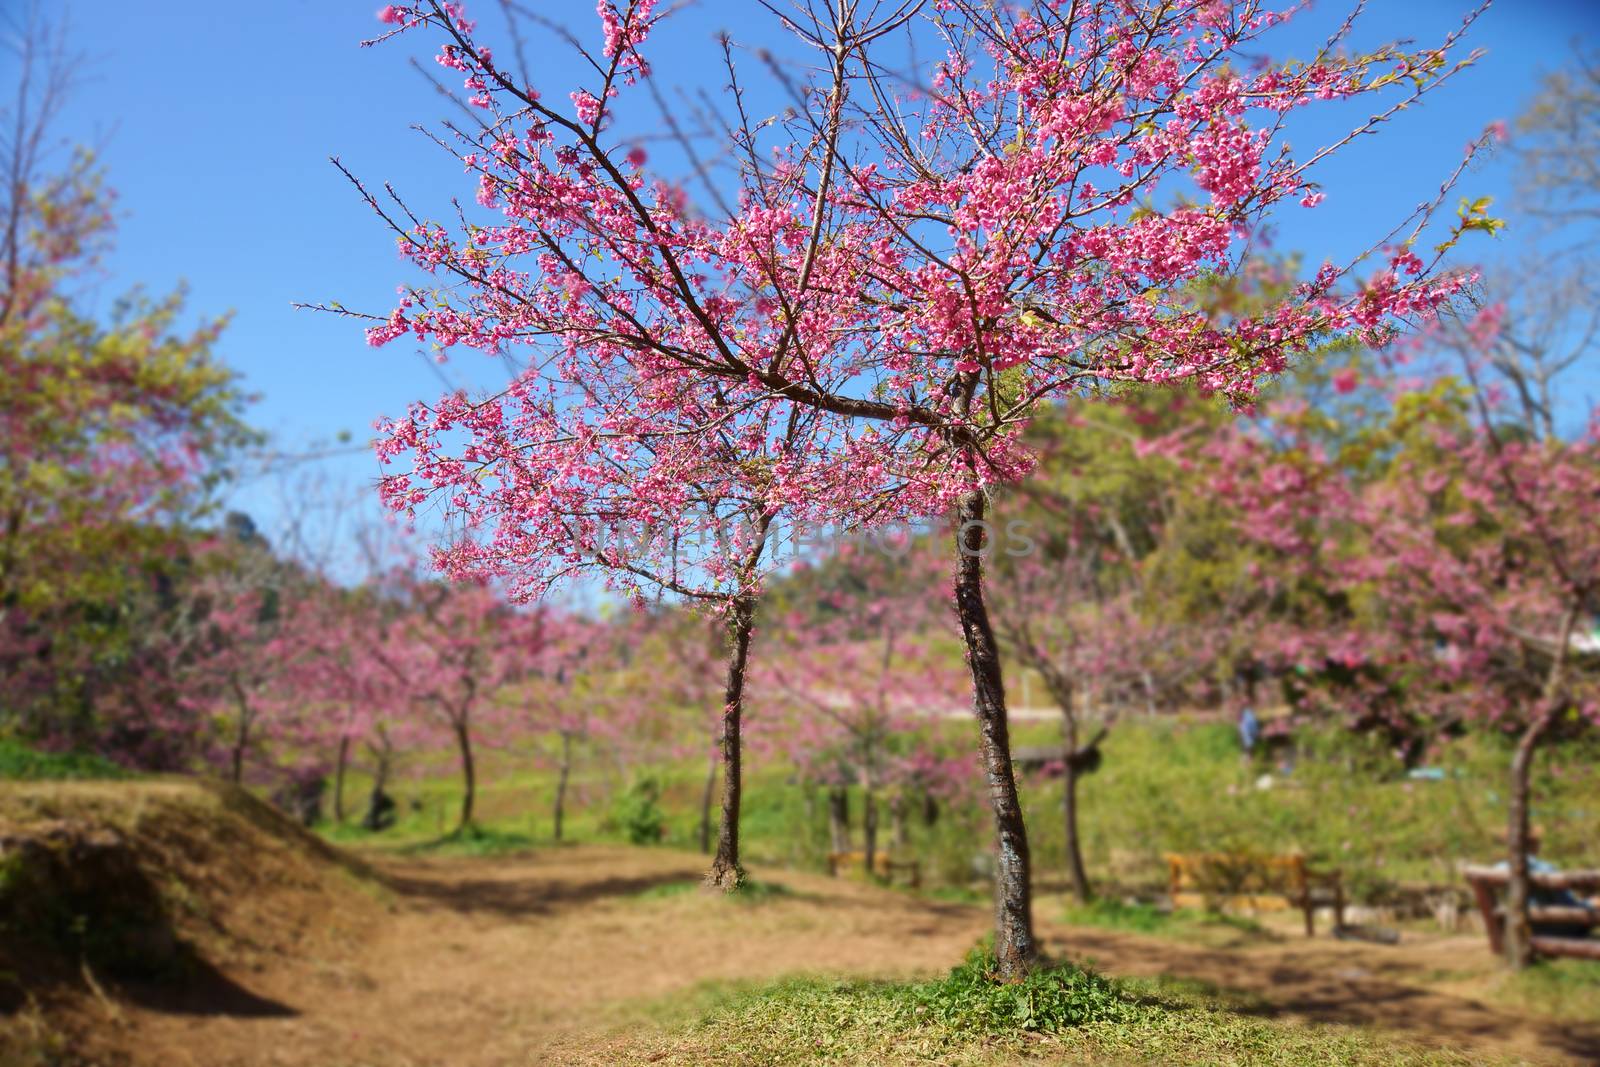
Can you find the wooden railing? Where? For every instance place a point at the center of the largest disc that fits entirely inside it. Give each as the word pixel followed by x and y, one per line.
pixel 1487 882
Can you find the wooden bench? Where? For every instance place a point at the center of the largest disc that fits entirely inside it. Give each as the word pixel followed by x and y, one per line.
pixel 883 866
pixel 1254 882
pixel 1487 884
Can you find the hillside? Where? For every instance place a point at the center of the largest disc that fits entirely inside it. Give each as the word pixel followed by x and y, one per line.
pixel 122 899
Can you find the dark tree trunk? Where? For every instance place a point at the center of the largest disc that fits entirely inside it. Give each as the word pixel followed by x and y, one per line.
pixel 1518 932
pixel 1069 813
pixel 561 782
pixel 241 741
pixel 339 765
pixel 1069 804
pixel 1014 943
pixel 380 773
pixel 705 806
pixel 725 873
pixel 242 736
pixel 1077 760
pixel 838 819
pixel 869 830
pixel 469 779
pixel 899 831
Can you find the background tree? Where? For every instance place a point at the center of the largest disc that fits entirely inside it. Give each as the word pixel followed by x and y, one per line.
pixel 111 433
pixel 857 683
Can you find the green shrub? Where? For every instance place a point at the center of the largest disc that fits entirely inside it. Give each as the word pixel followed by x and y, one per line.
pixel 969 998
pixel 1149 919
pixel 638 812
pixel 18 761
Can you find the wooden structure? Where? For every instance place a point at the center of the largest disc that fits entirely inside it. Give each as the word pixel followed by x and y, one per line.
pixel 883 865
pixel 1487 884
pixel 1255 883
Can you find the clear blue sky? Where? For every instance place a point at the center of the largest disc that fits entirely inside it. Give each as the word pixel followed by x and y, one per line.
pixel 216 120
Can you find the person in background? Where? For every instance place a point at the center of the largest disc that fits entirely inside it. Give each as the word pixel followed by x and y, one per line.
pixel 1563 898
pixel 1249 730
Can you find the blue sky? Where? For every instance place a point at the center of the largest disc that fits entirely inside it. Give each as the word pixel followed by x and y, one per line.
pixel 215 121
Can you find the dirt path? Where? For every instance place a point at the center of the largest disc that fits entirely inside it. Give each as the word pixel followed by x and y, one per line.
pixel 484 962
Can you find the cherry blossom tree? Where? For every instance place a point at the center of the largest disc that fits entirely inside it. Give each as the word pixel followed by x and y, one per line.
pixel 695 646
pixel 856 686
pixel 1088 596
pixel 348 685
pixel 565 692
pixel 1456 571
pixel 450 649
pixel 1072 614
pixel 919 261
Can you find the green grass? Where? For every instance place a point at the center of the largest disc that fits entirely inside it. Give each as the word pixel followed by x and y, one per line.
pixel 750 891
pixel 959 894
pixel 1149 919
pixel 1568 989
pixel 668 890
pixel 18 761
pixel 1059 1014
pixel 1166 785
pixel 477 840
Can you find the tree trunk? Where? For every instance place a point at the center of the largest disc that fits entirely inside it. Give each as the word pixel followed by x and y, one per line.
pixel 705 805
pixel 1069 814
pixel 339 764
pixel 241 742
pixel 1069 803
pixel 899 830
pixel 469 779
pixel 236 773
pixel 838 819
pixel 1519 932
pixel 1074 761
pixel 725 873
pixel 380 773
pixel 561 782
pixel 869 830
pixel 1014 943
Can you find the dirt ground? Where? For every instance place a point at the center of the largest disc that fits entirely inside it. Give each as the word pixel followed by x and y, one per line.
pixel 473 962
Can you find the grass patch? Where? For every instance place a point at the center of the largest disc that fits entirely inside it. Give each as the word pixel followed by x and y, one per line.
pixel 750 891
pixel 1566 989
pixel 478 840
pixel 1149 919
pixel 668 890
pixel 19 762
pixel 1168 785
pixel 1050 999
pixel 958 894
pixel 1059 1014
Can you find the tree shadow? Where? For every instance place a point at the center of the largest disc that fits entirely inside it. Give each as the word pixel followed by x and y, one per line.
pixel 195 987
pixel 525 896
pixel 1332 987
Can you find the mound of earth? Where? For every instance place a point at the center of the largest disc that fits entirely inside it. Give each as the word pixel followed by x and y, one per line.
pixel 152 893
